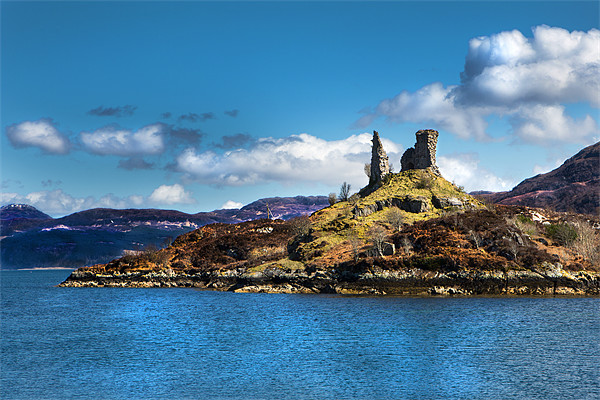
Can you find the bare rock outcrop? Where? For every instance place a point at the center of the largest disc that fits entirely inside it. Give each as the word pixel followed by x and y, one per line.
pixel 423 154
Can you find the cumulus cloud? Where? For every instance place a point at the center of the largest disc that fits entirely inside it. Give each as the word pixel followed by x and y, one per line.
pixel 463 169
pixel 231 205
pixel 119 111
pixel 121 142
pixel 232 113
pixel 528 80
pixel 554 66
pixel 536 123
pixel 173 194
pixel 41 133
pixel 432 105
pixel 289 160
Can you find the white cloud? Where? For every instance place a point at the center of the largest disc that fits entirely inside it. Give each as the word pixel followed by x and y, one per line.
pixel 463 169
pixel 528 80
pixel 40 133
pixel 554 66
pixel 55 202
pixel 230 205
pixel 294 159
pixel 537 123
pixel 542 169
pixel 58 203
pixel 173 194
pixel 120 142
pixel 432 104
pixel 136 200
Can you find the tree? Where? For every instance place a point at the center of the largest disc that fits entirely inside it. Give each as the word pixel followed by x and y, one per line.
pixel 587 242
pixel 476 238
pixel 394 217
pixel 513 248
pixel 345 191
pixel 377 236
pixel 355 244
pixel 332 198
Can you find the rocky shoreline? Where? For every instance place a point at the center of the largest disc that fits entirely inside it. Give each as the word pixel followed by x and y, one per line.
pixel 552 281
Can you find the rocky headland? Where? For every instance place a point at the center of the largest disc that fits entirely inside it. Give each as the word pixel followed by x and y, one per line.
pixel 410 233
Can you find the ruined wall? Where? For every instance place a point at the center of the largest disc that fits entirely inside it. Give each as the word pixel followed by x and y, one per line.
pixel 423 154
pixel 380 166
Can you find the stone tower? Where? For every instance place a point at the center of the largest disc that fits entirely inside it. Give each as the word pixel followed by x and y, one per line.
pixel 423 154
pixel 380 166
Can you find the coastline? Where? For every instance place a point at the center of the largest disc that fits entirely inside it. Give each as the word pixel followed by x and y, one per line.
pixel 42 269
pixel 413 282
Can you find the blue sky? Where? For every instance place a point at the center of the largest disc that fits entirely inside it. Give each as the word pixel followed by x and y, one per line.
pixel 199 105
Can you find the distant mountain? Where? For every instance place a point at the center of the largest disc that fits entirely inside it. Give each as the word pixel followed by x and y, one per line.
pixel 20 216
pixel 574 186
pixel 31 238
pixel 21 211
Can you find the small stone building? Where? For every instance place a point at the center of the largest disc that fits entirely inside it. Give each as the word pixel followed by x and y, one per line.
pixel 423 154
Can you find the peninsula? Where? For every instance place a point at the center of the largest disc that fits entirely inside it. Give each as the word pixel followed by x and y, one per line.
pixel 410 233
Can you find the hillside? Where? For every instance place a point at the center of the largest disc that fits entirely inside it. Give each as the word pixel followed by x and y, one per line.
pixel 417 234
pixel 574 186
pixel 32 238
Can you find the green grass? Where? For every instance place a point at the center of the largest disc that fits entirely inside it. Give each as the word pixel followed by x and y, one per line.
pixel 337 223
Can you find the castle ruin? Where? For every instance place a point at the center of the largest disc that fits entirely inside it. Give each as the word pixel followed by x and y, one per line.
pixel 423 154
pixel 380 166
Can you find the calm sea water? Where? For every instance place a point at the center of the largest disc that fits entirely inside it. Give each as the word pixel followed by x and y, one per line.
pixel 93 343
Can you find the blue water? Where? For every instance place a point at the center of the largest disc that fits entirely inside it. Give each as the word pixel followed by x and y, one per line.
pixel 93 343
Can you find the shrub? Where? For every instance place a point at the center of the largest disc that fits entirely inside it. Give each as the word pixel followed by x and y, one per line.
pixel 563 233
pixel 300 226
pixel 524 224
pixel 406 245
pixel 354 199
pixel 332 198
pixel 424 182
